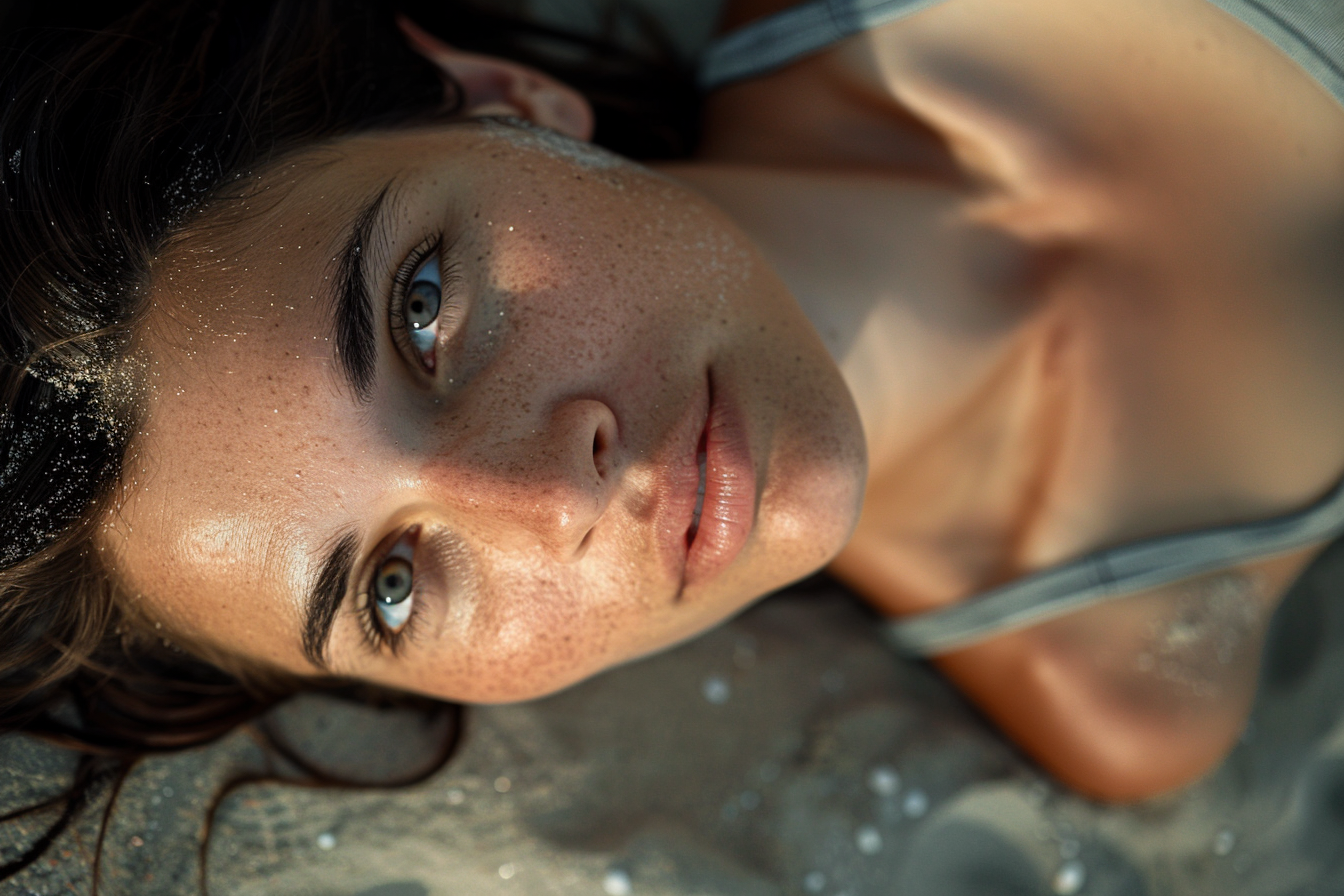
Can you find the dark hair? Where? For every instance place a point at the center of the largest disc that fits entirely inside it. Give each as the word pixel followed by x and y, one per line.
pixel 114 137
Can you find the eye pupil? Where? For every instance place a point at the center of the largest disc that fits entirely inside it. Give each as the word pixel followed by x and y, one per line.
pixel 393 584
pixel 422 304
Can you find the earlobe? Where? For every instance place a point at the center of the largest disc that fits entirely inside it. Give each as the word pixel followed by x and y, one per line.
pixel 494 86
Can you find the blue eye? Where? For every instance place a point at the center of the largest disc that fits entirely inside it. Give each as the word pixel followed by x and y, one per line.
pixel 420 307
pixel 390 595
pixel 423 308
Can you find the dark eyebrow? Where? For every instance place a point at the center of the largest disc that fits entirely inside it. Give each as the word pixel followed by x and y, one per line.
pixel 326 596
pixel 356 337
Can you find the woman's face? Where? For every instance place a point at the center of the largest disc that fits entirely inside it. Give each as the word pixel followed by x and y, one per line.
pixel 436 411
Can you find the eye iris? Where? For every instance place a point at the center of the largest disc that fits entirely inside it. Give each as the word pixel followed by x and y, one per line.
pixel 393 584
pixel 422 304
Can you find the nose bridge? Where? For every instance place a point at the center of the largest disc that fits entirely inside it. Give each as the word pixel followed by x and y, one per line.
pixel 544 478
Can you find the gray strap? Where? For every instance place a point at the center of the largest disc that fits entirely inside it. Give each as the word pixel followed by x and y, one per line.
pixel 1311 32
pixel 1109 574
pixel 779 39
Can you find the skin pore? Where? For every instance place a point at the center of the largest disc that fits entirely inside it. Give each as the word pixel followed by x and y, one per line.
pixel 1031 297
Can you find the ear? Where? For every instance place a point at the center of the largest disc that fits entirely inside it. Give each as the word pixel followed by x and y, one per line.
pixel 495 86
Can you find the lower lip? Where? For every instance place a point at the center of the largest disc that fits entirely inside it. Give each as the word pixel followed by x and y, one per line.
pixel 729 509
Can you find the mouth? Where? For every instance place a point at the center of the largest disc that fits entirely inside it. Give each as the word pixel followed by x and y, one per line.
pixel 699 492
pixel 709 490
pixel 724 510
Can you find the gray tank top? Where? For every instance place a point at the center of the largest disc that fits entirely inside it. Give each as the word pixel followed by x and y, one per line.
pixel 1311 32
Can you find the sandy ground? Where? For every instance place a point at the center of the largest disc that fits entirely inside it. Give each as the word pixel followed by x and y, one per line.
pixel 787 753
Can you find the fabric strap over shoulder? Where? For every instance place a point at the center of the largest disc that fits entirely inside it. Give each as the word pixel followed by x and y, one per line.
pixel 1310 32
pixel 1109 574
pixel 775 41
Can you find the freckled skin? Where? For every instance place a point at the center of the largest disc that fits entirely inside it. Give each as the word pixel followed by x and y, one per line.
pixel 535 459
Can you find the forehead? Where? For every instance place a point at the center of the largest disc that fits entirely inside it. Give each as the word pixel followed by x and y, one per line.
pixel 223 498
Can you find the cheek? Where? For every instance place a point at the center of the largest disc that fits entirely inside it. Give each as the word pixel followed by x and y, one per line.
pixel 596 259
pixel 534 628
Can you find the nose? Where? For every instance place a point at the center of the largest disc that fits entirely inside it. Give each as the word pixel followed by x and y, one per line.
pixel 549 484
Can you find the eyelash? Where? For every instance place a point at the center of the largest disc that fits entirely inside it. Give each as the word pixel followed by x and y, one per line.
pixel 449 279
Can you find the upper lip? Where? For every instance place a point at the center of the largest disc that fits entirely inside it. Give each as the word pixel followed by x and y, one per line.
pixel 730 490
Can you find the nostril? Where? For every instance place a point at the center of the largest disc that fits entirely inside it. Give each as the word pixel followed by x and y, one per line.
pixel 602 447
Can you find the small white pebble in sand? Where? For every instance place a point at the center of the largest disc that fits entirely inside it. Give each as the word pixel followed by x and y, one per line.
pixel 916 804
pixel 326 841
pixel 1038 793
pixel 815 882
pixel 716 690
pixel 616 883
pixel 507 870
pixel 832 681
pixel 503 784
pixel 1069 879
pixel 868 840
pixel 1224 842
pixel 457 796
pixel 884 780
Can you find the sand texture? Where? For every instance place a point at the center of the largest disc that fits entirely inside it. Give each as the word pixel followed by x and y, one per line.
pixel 787 753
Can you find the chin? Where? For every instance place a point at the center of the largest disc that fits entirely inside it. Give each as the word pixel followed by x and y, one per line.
pixel 811 518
